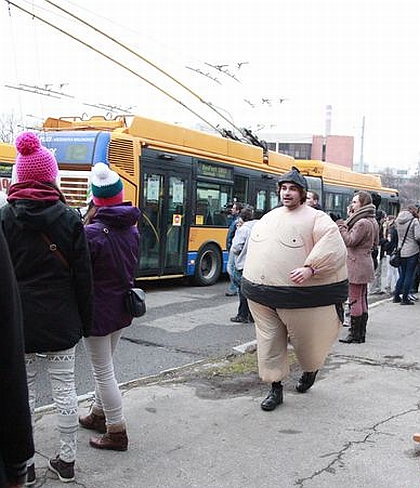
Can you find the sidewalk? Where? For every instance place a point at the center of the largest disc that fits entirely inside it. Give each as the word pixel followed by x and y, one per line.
pixel 352 429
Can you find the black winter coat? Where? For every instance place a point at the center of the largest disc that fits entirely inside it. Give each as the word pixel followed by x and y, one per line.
pixel 16 442
pixel 57 299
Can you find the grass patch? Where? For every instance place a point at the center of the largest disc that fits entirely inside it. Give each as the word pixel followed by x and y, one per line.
pixel 235 365
pixel 240 364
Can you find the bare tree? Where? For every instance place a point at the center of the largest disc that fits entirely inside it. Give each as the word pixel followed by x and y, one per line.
pixel 408 188
pixel 10 126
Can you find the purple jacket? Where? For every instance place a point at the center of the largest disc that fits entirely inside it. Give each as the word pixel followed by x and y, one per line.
pixel 110 279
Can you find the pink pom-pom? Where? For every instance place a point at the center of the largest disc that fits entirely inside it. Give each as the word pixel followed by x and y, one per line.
pixel 27 143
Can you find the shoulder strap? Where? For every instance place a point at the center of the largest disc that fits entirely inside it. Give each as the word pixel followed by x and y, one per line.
pixel 405 235
pixel 54 248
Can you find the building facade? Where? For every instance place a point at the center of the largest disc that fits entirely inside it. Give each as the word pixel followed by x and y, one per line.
pixel 332 148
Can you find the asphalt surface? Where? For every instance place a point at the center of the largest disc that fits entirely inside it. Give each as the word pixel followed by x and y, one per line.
pixel 189 429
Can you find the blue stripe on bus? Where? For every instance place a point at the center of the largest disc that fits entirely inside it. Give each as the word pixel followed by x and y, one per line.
pixel 192 258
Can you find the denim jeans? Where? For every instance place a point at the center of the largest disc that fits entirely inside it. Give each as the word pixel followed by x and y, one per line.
pixel 243 309
pixel 406 272
pixel 233 287
pixel 61 372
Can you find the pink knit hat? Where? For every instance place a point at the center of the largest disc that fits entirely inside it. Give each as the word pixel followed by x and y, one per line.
pixel 34 161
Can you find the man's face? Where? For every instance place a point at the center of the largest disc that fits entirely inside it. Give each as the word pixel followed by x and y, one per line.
pixel 234 210
pixel 310 200
pixel 290 195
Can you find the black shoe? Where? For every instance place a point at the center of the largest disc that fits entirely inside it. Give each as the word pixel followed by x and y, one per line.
pixel 239 319
pixel 347 340
pixel 351 339
pixel 31 476
pixel 64 471
pixel 406 302
pixel 306 381
pixel 274 398
pixel 396 300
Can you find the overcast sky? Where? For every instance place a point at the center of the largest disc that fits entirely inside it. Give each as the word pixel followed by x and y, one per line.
pixel 360 56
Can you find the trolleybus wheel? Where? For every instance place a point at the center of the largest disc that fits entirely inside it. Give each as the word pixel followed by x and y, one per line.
pixel 208 266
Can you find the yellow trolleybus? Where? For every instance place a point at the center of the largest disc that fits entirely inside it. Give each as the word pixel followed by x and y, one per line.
pixel 336 184
pixel 7 158
pixel 181 179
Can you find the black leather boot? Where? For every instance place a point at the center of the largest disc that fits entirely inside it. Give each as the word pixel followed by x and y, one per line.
pixel 274 397
pixel 306 381
pixel 355 334
pixel 365 317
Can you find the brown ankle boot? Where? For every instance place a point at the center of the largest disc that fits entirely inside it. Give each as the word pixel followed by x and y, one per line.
pixel 93 421
pixel 114 439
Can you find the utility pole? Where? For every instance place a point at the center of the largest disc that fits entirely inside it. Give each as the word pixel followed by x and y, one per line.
pixel 362 143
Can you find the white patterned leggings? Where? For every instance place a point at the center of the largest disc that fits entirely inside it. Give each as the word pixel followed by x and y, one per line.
pixel 63 389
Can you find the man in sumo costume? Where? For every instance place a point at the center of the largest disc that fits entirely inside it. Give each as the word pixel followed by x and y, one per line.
pixel 295 280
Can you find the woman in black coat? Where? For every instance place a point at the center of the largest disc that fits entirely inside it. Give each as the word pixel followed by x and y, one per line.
pixel 51 259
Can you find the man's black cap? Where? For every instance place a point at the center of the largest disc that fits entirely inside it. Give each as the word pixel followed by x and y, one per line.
pixel 294 176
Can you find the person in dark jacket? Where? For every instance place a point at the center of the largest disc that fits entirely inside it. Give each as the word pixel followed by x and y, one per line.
pixel 375 288
pixel 389 243
pixel 114 246
pixel 16 442
pixel 51 259
pixel 312 199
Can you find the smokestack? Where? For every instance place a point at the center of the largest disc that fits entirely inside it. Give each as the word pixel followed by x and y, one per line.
pixel 328 115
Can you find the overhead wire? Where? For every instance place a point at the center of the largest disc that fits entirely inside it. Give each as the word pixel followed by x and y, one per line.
pixel 150 63
pixel 118 63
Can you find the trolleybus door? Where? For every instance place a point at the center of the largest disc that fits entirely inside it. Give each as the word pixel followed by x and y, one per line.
pixel 264 196
pixel 163 249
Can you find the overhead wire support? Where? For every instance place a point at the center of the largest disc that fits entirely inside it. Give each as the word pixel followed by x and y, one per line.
pixel 139 56
pixel 46 90
pixel 33 15
pixel 32 90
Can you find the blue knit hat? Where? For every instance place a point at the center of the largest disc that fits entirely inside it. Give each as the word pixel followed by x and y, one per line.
pixel 107 187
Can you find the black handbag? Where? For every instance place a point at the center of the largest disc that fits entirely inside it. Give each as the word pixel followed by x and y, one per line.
pixel 395 258
pixel 134 298
pixel 135 302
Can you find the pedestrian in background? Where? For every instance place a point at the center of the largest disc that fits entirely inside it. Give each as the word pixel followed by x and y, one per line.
pixel 390 243
pixel 50 255
pixel 239 251
pixel 360 233
pixel 114 247
pixel 408 229
pixel 312 199
pixel 234 213
pixel 295 279
pixel 379 252
pixel 16 442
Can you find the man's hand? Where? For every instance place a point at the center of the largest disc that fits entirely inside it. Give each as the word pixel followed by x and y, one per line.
pixel 300 275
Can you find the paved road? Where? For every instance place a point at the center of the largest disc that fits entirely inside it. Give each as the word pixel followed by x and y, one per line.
pixel 183 324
